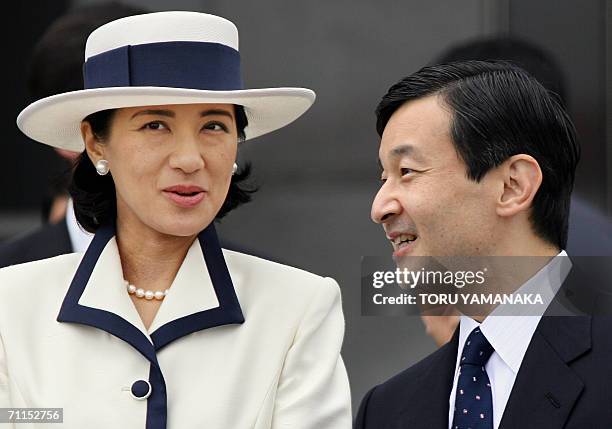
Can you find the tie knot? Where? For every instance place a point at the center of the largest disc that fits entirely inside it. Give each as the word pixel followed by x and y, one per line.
pixel 476 350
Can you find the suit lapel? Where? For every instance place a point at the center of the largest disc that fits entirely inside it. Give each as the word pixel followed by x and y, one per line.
pixel 185 299
pixel 219 305
pixel 106 291
pixel 429 396
pixel 546 388
pixel 204 298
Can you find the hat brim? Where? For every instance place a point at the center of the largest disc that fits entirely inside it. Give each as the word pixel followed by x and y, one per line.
pixel 56 120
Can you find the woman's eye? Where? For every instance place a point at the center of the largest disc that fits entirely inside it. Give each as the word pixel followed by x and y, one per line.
pixel 215 126
pixel 155 126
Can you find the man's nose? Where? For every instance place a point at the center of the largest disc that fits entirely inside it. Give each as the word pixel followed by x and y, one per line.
pixel 384 206
pixel 187 155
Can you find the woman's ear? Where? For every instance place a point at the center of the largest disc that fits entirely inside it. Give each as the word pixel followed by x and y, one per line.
pixel 522 178
pixel 93 146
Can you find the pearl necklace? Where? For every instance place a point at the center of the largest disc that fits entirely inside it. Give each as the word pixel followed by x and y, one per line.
pixel 146 294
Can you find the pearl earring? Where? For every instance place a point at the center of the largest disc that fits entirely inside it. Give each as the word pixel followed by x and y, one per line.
pixel 234 168
pixel 102 167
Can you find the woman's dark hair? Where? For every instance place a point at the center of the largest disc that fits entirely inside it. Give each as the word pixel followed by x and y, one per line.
pixel 499 110
pixel 94 197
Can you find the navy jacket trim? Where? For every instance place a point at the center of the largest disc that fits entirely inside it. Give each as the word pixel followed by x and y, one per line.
pixel 228 312
pixel 157 403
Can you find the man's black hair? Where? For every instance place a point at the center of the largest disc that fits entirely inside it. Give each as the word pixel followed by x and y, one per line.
pixel 499 110
pixel 534 59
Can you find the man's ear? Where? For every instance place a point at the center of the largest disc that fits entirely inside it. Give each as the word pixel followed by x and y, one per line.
pixel 94 148
pixel 522 178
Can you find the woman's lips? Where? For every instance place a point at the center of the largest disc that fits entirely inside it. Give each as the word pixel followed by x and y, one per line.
pixel 185 200
pixel 185 195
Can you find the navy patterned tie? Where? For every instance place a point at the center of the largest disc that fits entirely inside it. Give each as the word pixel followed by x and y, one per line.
pixel 473 403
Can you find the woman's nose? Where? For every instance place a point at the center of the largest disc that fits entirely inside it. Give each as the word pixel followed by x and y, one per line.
pixel 187 155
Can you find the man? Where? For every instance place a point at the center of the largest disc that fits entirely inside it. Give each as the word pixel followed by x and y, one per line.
pixel 589 230
pixel 478 159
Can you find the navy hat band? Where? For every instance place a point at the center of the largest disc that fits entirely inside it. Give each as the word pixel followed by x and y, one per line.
pixel 195 65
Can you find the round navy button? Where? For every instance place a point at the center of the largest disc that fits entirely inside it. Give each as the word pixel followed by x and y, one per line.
pixel 141 390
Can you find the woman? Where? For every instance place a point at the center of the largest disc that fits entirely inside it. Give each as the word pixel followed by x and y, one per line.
pixel 155 325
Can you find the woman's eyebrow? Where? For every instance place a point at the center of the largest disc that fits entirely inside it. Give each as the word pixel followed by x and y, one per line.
pixel 216 112
pixel 171 114
pixel 168 113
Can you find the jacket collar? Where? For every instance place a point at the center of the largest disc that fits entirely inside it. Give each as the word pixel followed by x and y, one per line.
pixel 202 295
pixel 547 387
pixel 427 398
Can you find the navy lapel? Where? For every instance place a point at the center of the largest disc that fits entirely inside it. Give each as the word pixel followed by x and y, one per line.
pixel 227 312
pixel 429 401
pixel 546 388
pixel 222 309
pixel 72 312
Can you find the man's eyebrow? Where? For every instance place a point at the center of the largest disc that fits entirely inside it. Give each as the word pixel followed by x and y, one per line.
pixel 402 150
pixel 406 150
pixel 158 112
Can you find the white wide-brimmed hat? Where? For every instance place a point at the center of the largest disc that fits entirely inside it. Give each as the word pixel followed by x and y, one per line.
pixel 155 59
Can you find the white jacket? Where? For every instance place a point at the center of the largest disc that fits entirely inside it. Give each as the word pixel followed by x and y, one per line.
pixel 259 349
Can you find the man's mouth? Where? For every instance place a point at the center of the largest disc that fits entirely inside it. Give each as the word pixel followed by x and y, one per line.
pixel 403 240
pixel 402 243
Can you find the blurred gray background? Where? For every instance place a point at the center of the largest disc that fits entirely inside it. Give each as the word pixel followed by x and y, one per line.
pixel 318 176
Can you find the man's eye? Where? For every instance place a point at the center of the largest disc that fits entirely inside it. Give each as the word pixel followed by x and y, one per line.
pixel 216 126
pixel 155 126
pixel 405 171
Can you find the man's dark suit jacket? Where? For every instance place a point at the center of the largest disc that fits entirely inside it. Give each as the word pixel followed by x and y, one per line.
pixel 565 379
pixel 47 241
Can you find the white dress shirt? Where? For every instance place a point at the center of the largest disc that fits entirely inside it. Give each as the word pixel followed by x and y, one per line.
pixel 510 333
pixel 79 238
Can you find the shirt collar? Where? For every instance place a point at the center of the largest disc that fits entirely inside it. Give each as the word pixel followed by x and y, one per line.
pixel 79 238
pixel 509 331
